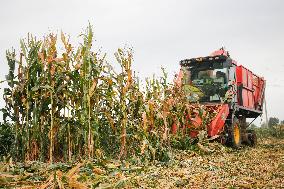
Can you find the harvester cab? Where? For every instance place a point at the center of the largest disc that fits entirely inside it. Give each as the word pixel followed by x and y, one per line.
pixel 211 78
pixel 229 90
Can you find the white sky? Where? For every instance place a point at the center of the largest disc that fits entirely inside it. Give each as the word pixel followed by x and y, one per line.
pixel 162 32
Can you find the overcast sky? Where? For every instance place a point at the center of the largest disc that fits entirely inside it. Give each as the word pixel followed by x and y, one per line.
pixel 162 32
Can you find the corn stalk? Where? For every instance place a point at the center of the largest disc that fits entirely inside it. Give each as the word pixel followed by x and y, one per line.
pixel 71 103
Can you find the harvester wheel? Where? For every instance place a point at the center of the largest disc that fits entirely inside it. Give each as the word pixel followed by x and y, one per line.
pixel 234 133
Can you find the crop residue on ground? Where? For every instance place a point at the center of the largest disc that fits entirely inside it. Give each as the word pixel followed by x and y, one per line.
pixel 259 167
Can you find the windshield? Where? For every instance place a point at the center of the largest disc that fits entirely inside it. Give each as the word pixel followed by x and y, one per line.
pixel 211 82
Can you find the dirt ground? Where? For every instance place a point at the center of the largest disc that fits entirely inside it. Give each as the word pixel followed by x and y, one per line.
pixel 260 167
pixel 220 167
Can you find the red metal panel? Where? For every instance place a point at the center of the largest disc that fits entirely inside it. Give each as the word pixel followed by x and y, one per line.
pixel 250 99
pixel 217 124
pixel 250 80
pixel 239 79
pixel 258 88
pixel 250 86
pixel 239 74
pixel 245 77
pixel 245 97
pixel 256 83
pixel 259 100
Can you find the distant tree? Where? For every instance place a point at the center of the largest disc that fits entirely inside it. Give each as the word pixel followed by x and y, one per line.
pixel 273 121
pixel 282 122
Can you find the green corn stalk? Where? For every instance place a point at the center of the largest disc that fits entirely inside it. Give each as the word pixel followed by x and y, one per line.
pixel 74 105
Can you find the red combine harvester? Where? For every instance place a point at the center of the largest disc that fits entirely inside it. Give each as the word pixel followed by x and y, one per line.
pixel 230 91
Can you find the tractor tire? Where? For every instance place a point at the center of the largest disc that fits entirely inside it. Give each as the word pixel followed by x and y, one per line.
pixel 234 134
pixel 252 138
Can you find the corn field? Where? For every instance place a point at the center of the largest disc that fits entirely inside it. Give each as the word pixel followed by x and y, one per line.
pixel 69 103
